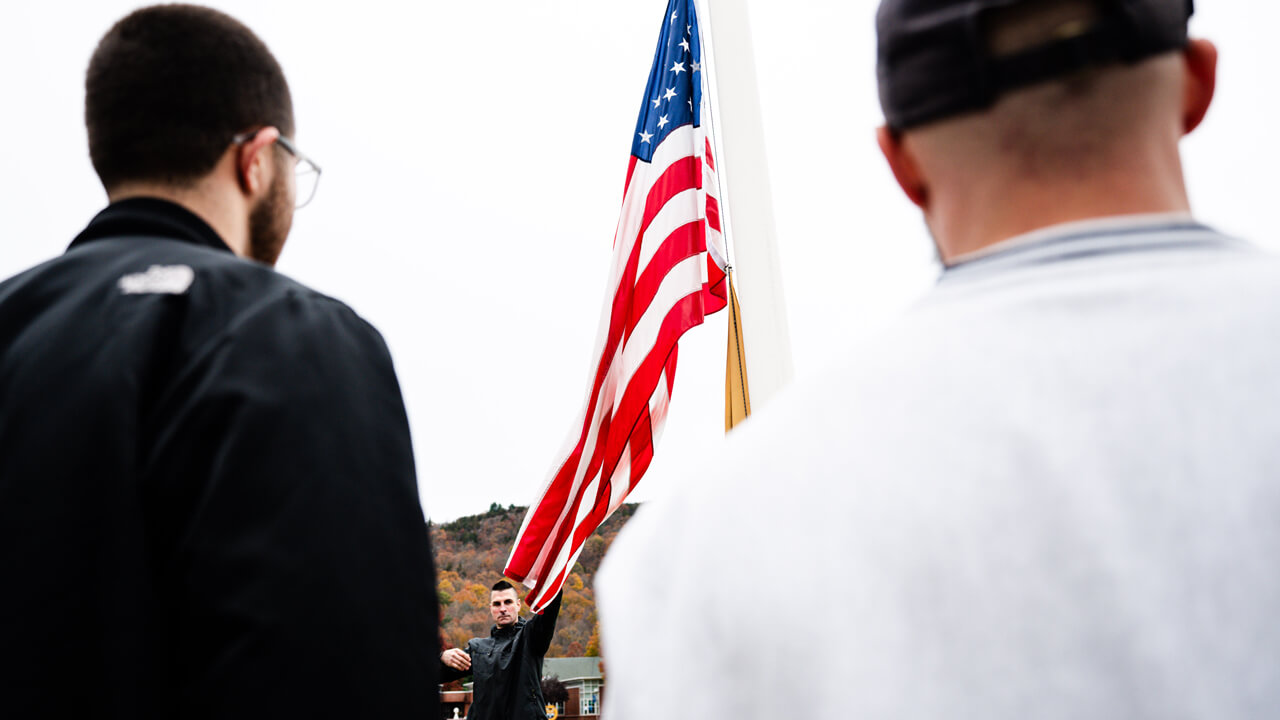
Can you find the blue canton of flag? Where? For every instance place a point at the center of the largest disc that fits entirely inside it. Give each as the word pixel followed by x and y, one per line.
pixel 674 95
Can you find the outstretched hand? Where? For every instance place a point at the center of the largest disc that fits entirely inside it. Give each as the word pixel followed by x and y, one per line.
pixel 456 659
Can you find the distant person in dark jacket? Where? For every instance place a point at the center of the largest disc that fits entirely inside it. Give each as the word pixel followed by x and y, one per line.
pixel 507 665
pixel 208 506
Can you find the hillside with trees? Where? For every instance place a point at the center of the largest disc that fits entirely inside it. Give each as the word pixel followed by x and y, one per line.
pixel 470 554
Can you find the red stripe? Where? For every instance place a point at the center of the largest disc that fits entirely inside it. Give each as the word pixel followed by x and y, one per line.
pixel 640 446
pixel 631 170
pixel 630 302
pixel 626 421
pixel 713 213
pixel 687 240
pixel 629 426
pixel 576 534
pixel 594 463
pixel 544 516
pixel 640 464
pixel 671 370
pixel 715 294
pixel 686 313
pixel 642 455
pixel 684 174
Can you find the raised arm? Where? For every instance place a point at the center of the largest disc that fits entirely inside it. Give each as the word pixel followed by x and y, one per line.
pixel 541 628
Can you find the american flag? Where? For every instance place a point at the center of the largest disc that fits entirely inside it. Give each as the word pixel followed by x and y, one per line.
pixel 668 272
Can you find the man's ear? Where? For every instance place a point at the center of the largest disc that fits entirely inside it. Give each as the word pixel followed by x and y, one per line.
pixel 253 161
pixel 904 166
pixel 1201 60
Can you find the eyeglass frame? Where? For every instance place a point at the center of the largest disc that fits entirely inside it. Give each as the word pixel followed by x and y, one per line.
pixel 301 160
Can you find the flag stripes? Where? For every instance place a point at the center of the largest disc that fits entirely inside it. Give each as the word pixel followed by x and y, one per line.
pixel 667 274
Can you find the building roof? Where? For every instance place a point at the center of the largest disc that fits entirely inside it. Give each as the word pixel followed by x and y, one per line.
pixel 572 668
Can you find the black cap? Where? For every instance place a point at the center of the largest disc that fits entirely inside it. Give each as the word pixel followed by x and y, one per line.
pixel 934 59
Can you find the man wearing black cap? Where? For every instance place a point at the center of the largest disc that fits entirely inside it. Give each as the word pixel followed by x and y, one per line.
pixel 1050 490
pixel 207 498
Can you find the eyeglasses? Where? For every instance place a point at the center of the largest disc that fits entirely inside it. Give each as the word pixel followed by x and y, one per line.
pixel 305 170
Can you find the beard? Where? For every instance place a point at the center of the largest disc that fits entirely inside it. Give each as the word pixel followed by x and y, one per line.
pixel 270 220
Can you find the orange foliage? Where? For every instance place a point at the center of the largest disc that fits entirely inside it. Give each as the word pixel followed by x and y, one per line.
pixel 470 555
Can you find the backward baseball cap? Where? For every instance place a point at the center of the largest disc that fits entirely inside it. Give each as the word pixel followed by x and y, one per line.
pixel 934 58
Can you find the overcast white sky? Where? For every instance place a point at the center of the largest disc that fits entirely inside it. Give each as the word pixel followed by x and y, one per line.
pixel 474 155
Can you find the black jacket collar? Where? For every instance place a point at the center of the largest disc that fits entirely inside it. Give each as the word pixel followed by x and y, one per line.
pixel 153 217
pixel 511 629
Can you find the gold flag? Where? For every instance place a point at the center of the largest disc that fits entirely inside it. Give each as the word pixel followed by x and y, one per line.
pixel 737 399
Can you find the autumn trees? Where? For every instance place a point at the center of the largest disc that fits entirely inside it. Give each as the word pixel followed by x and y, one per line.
pixel 470 555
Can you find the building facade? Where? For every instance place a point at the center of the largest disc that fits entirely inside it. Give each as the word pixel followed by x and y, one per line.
pixel 583 678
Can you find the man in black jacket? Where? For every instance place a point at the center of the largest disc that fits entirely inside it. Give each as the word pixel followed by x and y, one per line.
pixel 207 497
pixel 507 665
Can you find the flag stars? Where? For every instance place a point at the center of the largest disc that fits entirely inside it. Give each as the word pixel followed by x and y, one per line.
pixel 657 102
pixel 645 137
pixel 662 122
pixel 671 92
pixel 677 68
pixel 673 18
pixel 696 66
pixel 683 43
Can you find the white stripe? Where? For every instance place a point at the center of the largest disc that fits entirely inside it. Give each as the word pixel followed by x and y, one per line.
pixel 629 221
pixel 658 405
pixel 603 406
pixel 621 251
pixel 709 180
pixel 680 144
pixel 715 248
pixel 675 147
pixel 567 554
pixel 715 238
pixel 683 279
pixel 591 498
pixel 621 480
pixel 679 211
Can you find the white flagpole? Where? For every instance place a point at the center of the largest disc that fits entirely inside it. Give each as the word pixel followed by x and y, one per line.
pixel 747 200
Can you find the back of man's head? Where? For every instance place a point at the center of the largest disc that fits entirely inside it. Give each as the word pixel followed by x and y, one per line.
pixel 995 108
pixel 168 88
pixel 937 59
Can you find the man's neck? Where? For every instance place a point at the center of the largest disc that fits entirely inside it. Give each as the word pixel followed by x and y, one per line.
pixel 993 208
pixel 983 217
pixel 223 211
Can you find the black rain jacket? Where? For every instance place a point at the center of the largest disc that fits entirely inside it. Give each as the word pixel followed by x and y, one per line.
pixel 208 506
pixel 507 668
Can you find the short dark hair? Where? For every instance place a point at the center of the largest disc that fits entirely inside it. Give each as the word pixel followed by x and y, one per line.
pixel 502 585
pixel 169 86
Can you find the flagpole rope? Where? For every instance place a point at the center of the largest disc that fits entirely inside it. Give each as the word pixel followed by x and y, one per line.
pixel 726 220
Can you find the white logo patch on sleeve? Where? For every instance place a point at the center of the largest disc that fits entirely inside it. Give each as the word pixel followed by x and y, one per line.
pixel 158 279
